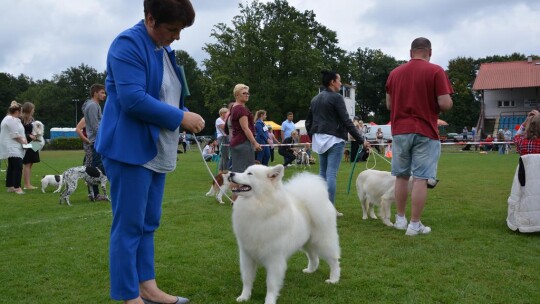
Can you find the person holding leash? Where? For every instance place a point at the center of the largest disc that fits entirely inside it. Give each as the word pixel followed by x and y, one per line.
pixel 138 141
pixel 415 145
pixel 327 124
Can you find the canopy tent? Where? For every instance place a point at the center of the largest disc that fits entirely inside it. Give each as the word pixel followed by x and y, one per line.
pixel 273 125
pixel 301 126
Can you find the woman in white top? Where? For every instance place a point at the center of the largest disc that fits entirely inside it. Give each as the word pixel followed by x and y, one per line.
pixel 12 138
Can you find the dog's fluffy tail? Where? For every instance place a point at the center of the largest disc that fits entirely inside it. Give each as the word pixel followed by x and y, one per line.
pixel 315 199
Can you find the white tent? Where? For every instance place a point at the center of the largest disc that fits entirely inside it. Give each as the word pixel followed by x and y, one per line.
pixel 301 125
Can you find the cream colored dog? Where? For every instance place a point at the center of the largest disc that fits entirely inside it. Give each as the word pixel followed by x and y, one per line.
pixel 376 188
pixel 272 220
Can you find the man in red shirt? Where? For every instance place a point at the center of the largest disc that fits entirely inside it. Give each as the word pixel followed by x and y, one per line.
pixel 416 92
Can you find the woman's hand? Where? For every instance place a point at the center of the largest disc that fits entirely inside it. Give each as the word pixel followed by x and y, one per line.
pixel 192 122
pixel 257 146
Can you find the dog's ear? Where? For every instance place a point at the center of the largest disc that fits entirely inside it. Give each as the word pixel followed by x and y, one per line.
pixel 276 172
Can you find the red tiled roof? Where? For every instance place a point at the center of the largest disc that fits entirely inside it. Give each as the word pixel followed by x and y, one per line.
pixel 507 75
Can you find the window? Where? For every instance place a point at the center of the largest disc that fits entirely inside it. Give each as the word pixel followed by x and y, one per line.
pixel 346 92
pixel 531 103
pixel 506 104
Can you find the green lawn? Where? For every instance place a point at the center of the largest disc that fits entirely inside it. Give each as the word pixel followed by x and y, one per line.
pixel 53 253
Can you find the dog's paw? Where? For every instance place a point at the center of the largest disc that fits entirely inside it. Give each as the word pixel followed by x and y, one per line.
pixel 242 298
pixel 332 281
pixel 388 223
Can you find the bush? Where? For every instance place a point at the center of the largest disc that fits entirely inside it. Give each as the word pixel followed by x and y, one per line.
pixel 64 143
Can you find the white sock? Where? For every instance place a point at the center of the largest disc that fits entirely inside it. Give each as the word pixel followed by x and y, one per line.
pixel 399 217
pixel 415 225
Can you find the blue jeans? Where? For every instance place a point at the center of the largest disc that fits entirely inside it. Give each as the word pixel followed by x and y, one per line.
pixel 329 162
pixel 416 155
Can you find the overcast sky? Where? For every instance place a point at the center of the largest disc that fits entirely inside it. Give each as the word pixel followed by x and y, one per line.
pixel 40 38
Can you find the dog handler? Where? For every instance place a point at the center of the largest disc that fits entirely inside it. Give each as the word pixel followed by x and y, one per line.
pixel 416 92
pixel 327 124
pixel 138 139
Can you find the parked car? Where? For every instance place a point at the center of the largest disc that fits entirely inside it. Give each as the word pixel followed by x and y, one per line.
pixel 459 137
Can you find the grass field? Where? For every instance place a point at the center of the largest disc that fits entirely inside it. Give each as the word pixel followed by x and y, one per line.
pixel 51 253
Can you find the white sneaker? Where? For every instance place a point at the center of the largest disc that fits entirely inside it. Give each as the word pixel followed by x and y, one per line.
pixel 421 230
pixel 400 224
pixel 339 214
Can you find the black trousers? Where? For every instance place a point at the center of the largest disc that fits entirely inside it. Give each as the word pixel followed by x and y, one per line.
pixel 14 172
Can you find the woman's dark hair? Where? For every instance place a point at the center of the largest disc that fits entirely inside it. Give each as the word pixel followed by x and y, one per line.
pixel 170 11
pixel 327 77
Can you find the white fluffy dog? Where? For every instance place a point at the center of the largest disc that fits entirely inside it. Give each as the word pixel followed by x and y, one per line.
pixel 376 188
pixel 272 221
pixel 51 180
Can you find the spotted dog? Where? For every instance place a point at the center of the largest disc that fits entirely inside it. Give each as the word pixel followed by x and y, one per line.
pixel 91 175
pixel 219 186
pixel 302 158
pixel 51 180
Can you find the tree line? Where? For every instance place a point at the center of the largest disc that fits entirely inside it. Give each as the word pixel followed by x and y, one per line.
pixel 278 52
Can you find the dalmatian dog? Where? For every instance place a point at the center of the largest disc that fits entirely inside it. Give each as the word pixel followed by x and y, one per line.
pixel 91 175
pixel 51 180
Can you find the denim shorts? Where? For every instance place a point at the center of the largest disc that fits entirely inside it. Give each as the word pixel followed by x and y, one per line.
pixel 415 155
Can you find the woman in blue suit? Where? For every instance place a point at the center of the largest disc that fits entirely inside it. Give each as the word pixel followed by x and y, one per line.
pixel 138 140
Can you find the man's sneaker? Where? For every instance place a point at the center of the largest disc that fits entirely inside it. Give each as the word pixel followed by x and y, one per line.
pixel 339 214
pixel 401 223
pixel 421 230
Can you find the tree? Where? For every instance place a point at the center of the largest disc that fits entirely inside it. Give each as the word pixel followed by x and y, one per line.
pixel 10 87
pixel 462 72
pixel 369 71
pixel 76 83
pixel 194 77
pixel 274 49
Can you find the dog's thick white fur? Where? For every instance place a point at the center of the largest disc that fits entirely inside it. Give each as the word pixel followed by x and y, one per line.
pixel 376 188
pixel 51 180
pixel 38 130
pixel 272 221
pixel 219 188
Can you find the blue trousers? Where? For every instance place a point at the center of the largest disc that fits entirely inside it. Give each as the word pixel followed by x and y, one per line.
pixel 136 198
pixel 263 156
pixel 329 163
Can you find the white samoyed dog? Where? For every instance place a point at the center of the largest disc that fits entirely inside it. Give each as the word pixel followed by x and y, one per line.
pixel 377 188
pixel 273 220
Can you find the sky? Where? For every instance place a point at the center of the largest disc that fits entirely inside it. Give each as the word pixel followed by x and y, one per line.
pixel 41 38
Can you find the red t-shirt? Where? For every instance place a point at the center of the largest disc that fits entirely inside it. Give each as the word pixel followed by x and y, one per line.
pixel 413 88
pixel 238 135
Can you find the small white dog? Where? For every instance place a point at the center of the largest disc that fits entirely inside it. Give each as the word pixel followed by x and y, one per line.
pixel 51 180
pixel 376 188
pixel 38 130
pixel 219 188
pixel 272 221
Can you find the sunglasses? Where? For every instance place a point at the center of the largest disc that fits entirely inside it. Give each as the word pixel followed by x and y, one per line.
pixel 245 93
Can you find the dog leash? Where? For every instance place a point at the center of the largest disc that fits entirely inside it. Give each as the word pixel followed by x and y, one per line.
pixel 371 151
pixel 209 170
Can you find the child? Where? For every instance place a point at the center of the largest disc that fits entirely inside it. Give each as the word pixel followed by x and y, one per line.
pixel 527 139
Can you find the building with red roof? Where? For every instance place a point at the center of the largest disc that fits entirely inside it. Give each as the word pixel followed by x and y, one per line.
pixel 508 90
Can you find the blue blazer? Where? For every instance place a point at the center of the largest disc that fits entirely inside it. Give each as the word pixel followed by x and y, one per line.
pixel 133 113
